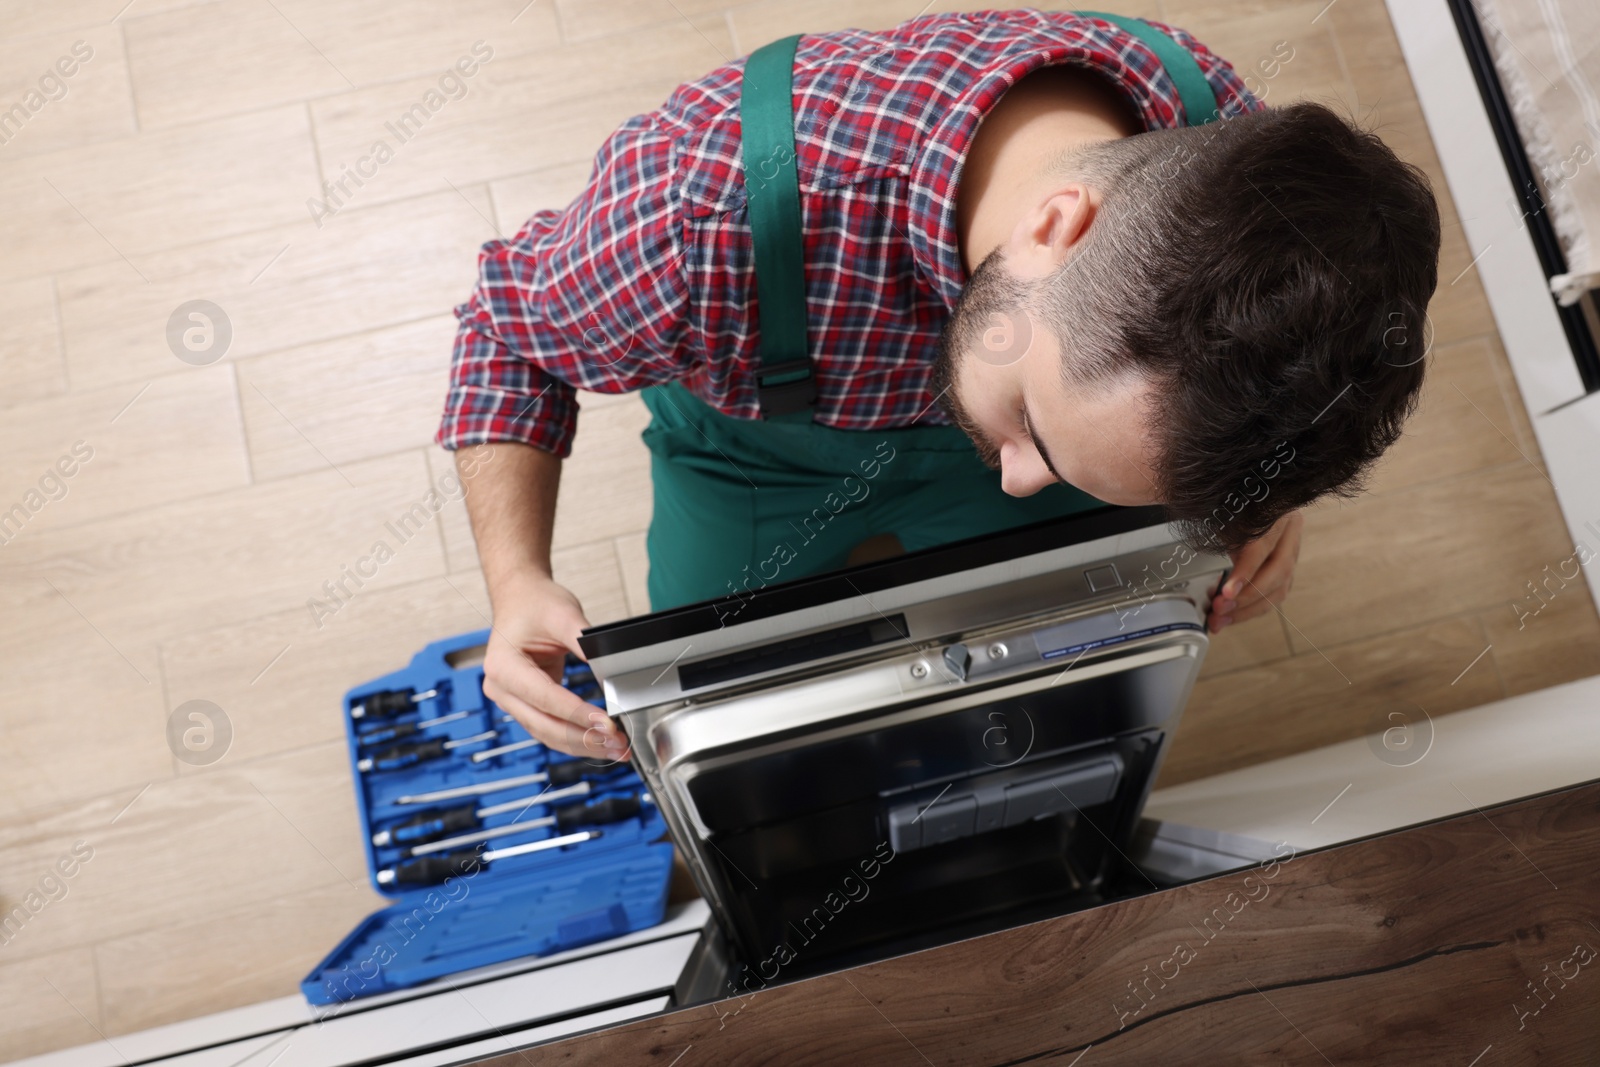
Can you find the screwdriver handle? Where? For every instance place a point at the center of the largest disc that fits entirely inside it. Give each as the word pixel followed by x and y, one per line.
pixel 569 771
pixel 383 704
pixel 605 810
pixel 429 826
pixel 393 759
pixel 429 870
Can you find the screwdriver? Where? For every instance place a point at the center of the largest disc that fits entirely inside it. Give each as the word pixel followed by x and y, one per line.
pixel 405 729
pixel 515 746
pixel 429 869
pixel 392 759
pixel 566 819
pixel 432 825
pixel 388 702
pixel 563 773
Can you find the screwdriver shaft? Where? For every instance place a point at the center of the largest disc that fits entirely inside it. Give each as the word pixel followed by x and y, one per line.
pixel 546 797
pixel 437 719
pixel 538 846
pixel 379 735
pixel 613 809
pixel 475 790
pixel 468 862
pixel 446 843
pixel 411 754
pixel 420 826
pixel 487 735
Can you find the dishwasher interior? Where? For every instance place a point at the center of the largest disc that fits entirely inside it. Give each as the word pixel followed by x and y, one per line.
pixel 919 750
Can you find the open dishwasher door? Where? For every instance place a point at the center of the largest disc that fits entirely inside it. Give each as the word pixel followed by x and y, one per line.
pixel 905 753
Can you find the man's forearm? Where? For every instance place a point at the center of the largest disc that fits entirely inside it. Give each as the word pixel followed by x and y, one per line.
pixel 512 503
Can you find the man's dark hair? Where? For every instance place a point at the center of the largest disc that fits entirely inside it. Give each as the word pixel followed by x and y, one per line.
pixel 1269 275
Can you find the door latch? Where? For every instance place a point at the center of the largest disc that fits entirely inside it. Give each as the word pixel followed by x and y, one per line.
pixel 959 660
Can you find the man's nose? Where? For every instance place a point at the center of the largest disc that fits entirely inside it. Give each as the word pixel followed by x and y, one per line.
pixel 1022 471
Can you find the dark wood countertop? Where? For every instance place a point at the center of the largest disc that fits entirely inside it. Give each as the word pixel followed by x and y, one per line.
pixel 1467 941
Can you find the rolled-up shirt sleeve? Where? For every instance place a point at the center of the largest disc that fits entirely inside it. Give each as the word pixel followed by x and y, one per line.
pixel 589 297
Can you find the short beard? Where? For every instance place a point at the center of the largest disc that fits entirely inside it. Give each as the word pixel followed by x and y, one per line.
pixel 990 290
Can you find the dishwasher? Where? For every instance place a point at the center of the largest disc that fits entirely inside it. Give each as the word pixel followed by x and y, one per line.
pixel 934 746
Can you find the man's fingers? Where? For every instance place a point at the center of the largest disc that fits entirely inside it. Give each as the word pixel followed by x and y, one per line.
pixel 1272 581
pixel 1262 573
pixel 1257 599
pixel 1245 614
pixel 1276 573
pixel 548 730
pixel 519 673
pixel 1230 600
pixel 548 710
pixel 557 732
pixel 1246 563
pixel 1271 584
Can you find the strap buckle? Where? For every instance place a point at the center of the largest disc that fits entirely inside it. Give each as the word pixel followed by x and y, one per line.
pixel 787 387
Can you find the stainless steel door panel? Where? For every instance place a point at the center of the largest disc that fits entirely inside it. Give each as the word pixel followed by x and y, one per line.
pixel 969 602
pixel 913 674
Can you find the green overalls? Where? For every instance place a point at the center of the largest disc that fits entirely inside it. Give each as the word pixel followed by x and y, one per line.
pixel 744 503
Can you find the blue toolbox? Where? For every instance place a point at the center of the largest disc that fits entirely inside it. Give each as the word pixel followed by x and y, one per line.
pixel 491 846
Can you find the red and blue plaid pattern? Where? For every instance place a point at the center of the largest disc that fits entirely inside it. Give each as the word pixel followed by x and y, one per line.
pixel 647 277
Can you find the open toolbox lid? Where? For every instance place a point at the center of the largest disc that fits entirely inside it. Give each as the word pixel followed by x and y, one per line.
pixel 529 891
pixel 910 751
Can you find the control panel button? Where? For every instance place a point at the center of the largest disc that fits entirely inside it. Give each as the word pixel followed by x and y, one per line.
pixel 1102 578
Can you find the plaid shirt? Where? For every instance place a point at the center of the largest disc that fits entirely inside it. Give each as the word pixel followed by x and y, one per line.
pixel 647 277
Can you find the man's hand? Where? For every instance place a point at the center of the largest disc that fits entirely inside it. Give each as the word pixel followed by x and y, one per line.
pixel 536 623
pixel 512 502
pixel 1263 572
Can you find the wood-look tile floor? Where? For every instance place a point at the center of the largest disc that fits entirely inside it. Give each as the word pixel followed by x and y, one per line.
pixel 176 562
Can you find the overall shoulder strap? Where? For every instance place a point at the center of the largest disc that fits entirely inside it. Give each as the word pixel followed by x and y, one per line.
pixel 772 188
pixel 1200 104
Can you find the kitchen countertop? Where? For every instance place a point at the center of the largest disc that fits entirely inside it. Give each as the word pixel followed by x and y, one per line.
pixel 1483 756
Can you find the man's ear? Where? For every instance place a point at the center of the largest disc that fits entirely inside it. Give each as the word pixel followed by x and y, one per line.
pixel 1047 236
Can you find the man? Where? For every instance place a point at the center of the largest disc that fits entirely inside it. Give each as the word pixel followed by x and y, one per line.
pixel 914 286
